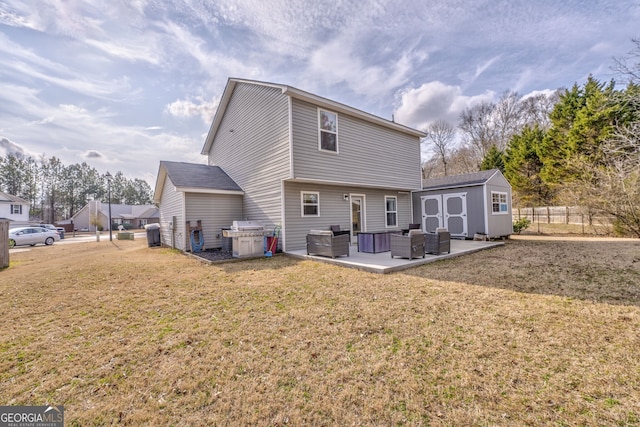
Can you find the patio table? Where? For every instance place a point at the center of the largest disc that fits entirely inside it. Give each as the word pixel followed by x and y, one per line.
pixel 375 241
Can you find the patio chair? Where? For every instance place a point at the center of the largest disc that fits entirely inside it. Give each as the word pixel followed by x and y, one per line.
pixel 336 230
pixel 438 242
pixel 411 227
pixel 325 243
pixel 408 246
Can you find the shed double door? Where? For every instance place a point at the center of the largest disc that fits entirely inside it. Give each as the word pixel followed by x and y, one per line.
pixel 445 210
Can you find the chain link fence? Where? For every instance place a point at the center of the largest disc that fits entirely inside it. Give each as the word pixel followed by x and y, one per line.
pixel 564 220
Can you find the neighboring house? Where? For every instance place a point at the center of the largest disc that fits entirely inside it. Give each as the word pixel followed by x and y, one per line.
pixel 468 204
pixel 302 162
pixel 14 209
pixel 96 214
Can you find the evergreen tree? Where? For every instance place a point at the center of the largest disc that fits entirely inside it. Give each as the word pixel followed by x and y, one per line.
pixel 493 159
pixel 522 167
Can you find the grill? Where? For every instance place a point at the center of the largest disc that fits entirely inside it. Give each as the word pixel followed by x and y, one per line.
pixel 247 238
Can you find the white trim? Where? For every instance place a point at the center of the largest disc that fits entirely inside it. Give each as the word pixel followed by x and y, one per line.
pixel 208 191
pixel 283 209
pixel 302 204
pixel 487 205
pixel 387 212
pixel 363 212
pixel 290 125
pixel 347 184
pixel 320 130
pixel 500 203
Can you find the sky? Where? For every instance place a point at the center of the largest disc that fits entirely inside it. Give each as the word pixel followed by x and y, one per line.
pixel 124 84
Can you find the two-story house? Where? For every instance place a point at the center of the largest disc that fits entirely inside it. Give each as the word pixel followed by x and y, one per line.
pixel 14 208
pixel 286 157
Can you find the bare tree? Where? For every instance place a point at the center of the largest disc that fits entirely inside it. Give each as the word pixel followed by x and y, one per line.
pixel 441 134
pixel 508 118
pixel 478 130
pixel 537 108
pixel 629 67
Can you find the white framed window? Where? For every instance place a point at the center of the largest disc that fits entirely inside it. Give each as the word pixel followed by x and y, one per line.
pixel 499 205
pixel 391 211
pixel 16 209
pixel 328 131
pixel 310 203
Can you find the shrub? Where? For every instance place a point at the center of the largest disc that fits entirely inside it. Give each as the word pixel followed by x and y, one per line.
pixel 521 224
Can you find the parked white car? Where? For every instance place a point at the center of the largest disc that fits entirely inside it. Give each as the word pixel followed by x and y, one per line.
pixel 32 236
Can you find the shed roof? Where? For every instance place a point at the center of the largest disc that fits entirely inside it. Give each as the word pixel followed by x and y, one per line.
pixel 195 177
pixel 464 180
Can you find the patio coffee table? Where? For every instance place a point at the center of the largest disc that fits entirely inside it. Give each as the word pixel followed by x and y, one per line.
pixel 375 241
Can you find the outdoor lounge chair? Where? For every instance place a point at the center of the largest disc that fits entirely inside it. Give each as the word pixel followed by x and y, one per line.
pixel 325 243
pixel 336 230
pixel 408 246
pixel 438 242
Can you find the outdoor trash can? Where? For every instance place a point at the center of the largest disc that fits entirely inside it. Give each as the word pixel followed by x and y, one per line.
pixel 153 234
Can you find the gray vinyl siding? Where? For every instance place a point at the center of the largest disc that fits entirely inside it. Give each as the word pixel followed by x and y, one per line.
pixel 335 210
pixel 252 147
pixel 215 211
pixel 171 204
pixel 475 208
pixel 499 225
pixel 82 219
pixel 368 154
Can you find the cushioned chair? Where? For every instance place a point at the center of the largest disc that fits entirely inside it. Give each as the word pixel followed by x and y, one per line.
pixel 408 246
pixel 336 230
pixel 411 227
pixel 325 243
pixel 438 242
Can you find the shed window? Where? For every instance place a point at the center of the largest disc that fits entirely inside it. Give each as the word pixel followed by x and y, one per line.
pixel 391 211
pixel 328 129
pixel 499 205
pixel 16 209
pixel 310 203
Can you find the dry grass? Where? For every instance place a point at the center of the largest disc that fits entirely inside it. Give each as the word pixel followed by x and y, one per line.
pixel 532 333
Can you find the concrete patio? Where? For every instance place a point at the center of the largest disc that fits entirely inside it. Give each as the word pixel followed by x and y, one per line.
pixel 383 263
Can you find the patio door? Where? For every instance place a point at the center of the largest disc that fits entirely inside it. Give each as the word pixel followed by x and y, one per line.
pixel 357 216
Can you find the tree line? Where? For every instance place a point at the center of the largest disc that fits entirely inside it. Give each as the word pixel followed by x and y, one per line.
pixel 575 147
pixel 56 192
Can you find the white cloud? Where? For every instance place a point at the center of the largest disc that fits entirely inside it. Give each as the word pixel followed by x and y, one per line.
pixel 418 107
pixel 9 147
pixel 187 108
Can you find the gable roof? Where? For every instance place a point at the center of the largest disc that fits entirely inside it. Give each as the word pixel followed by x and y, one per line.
pixel 464 180
pixel 4 197
pixel 129 211
pixel 305 96
pixel 195 178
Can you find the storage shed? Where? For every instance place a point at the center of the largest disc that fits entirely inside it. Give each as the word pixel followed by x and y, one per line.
pixel 466 205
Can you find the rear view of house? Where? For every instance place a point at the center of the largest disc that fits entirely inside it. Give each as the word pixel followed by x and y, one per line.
pixel 300 162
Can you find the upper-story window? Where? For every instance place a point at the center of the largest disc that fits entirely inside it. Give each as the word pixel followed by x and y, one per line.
pixel 499 204
pixel 328 126
pixel 391 211
pixel 16 209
